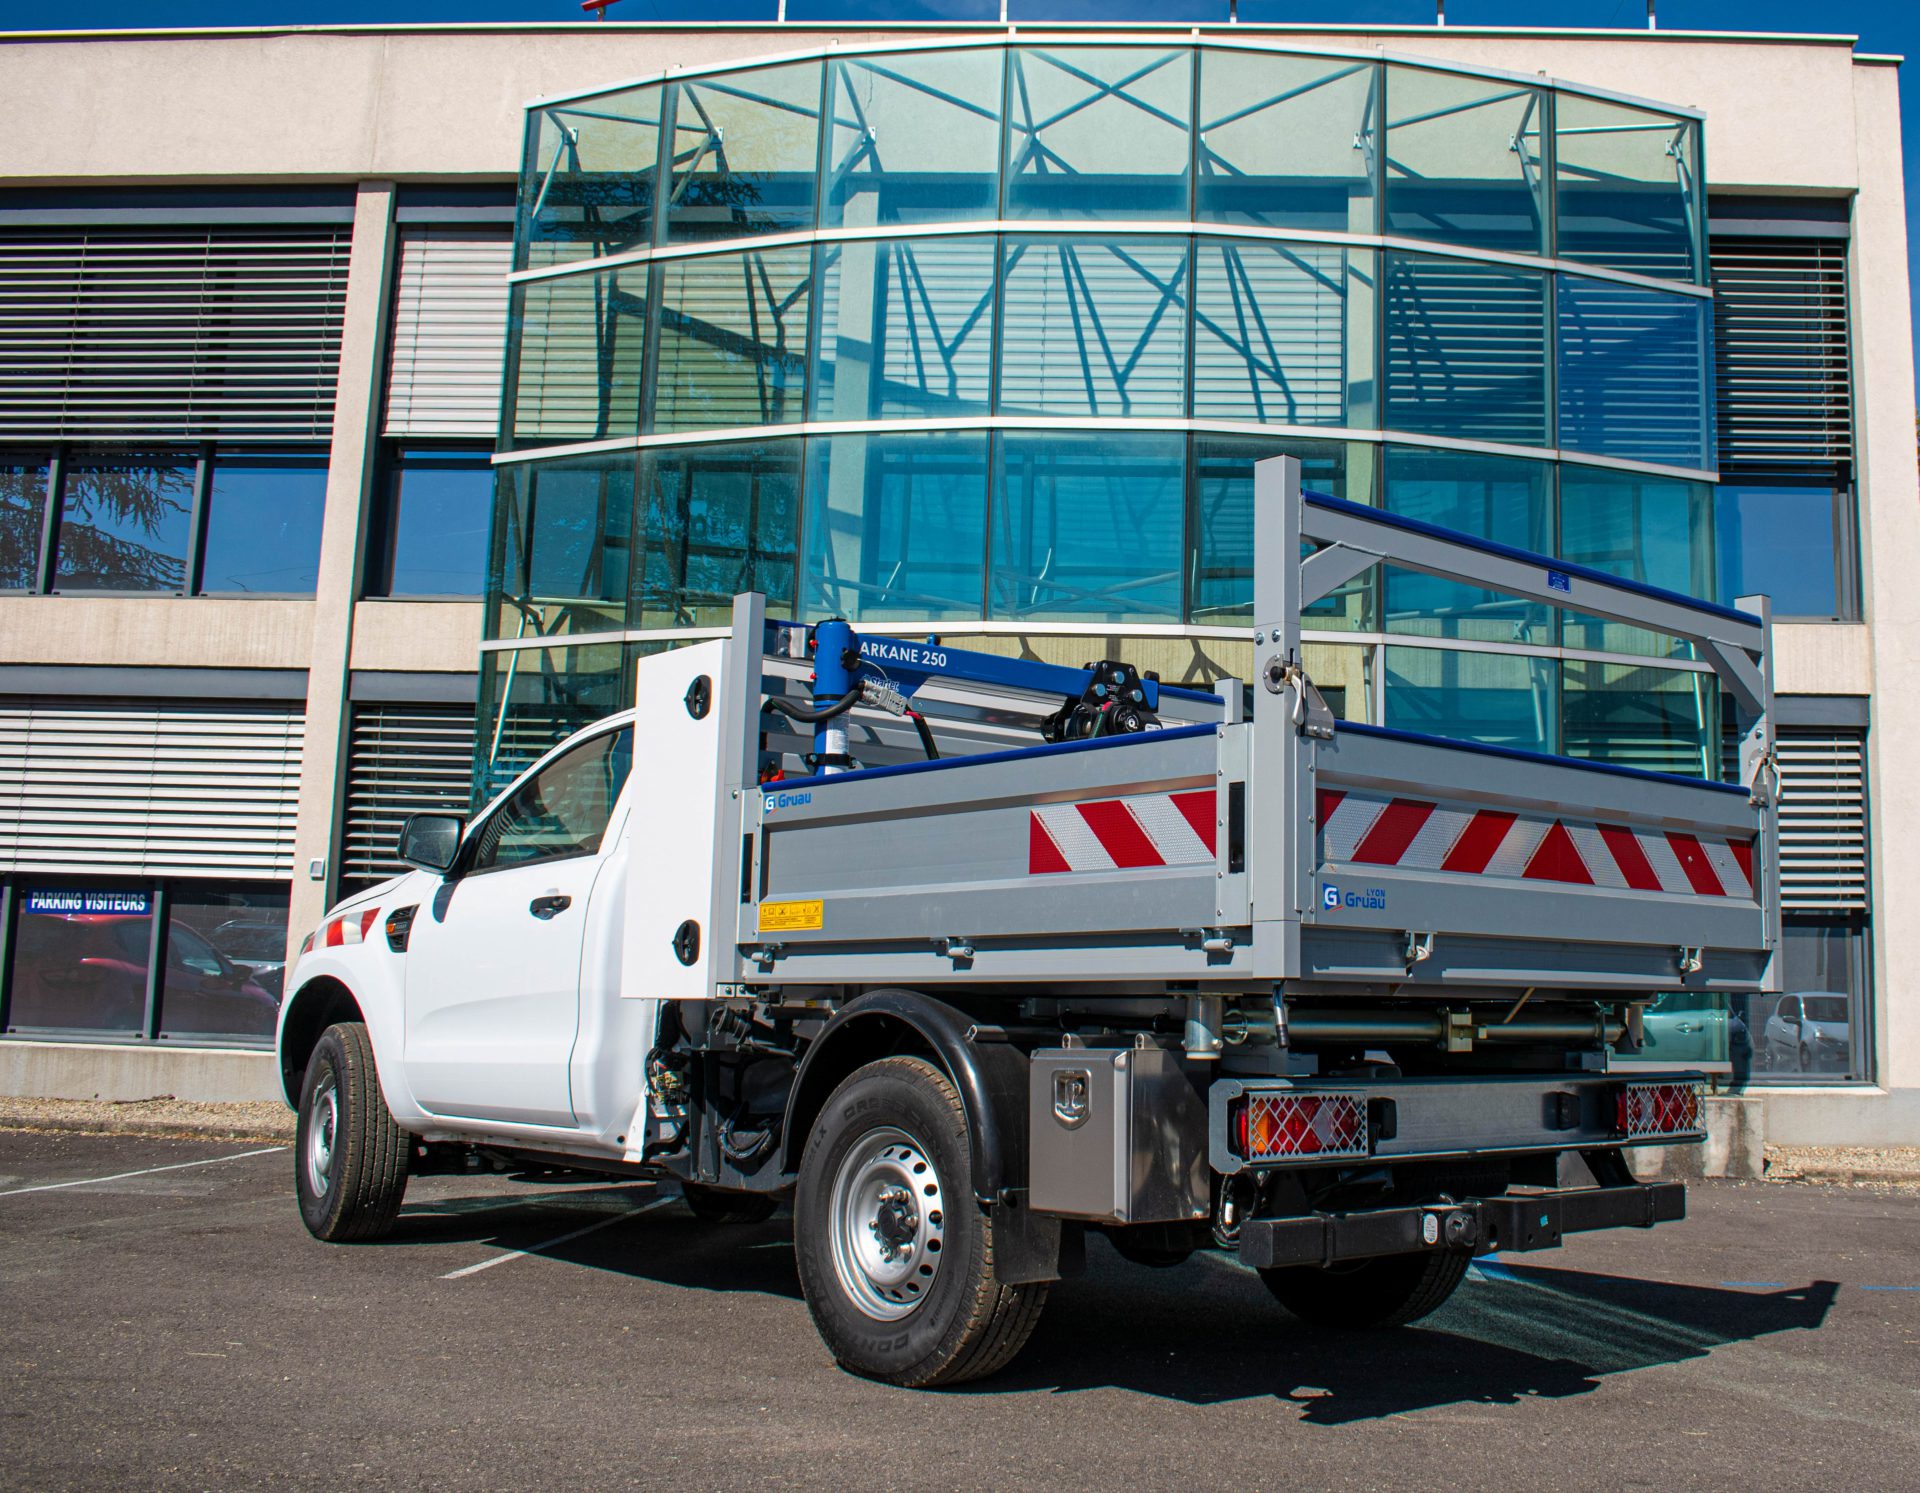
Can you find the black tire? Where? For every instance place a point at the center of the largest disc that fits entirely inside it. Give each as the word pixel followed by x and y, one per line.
pixel 349 1157
pixel 1387 1292
pixel 883 1134
pixel 719 1205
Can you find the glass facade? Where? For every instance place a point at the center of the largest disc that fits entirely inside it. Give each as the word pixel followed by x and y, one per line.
pixel 993 335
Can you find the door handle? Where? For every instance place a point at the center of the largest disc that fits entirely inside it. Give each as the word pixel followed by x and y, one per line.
pixel 549 906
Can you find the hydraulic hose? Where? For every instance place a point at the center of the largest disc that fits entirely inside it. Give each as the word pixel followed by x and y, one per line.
pixel 807 714
pixel 926 734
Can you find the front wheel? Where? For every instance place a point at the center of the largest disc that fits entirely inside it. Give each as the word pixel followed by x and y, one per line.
pixel 895 1256
pixel 350 1158
pixel 1387 1292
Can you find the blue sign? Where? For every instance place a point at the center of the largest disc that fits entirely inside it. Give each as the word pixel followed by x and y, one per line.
pixel 1559 580
pixel 66 900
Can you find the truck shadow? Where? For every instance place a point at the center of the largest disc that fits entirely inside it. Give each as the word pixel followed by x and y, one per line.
pixel 1211 1333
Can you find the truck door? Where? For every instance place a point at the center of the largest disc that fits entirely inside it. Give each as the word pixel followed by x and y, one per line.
pixel 493 967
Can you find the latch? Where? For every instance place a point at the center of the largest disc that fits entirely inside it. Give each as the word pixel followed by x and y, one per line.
pixel 1310 712
pixel 1691 961
pixel 959 950
pixel 1210 940
pixel 767 954
pixel 1419 950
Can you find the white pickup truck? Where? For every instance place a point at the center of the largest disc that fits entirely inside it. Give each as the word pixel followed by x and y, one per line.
pixel 966 957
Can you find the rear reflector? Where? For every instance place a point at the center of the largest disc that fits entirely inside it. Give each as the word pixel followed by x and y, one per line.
pixel 1643 1109
pixel 1269 1127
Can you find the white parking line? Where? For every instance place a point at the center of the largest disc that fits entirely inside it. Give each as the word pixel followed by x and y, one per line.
pixel 148 1172
pixel 534 1249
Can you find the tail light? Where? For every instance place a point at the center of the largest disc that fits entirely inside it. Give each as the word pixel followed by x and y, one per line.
pixel 1643 1109
pixel 1271 1127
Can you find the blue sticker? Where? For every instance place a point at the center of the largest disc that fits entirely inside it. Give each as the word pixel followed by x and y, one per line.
pixel 1559 580
pixel 1330 897
pixel 1372 899
pixel 771 801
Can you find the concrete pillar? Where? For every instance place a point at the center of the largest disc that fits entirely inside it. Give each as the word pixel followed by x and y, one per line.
pixel 1889 507
pixel 350 469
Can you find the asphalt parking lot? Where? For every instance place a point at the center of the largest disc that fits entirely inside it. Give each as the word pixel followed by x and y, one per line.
pixel 168 1323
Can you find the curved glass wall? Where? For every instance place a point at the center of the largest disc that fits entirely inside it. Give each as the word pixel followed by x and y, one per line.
pixel 991 336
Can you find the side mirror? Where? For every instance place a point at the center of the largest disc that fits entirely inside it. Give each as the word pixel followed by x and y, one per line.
pixel 431 841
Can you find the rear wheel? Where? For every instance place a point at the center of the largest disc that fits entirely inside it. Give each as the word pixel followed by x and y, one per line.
pixel 895 1256
pixel 719 1205
pixel 1387 1292
pixel 350 1158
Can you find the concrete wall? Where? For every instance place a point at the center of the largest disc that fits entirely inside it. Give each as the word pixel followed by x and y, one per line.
pixel 92 1070
pixel 445 101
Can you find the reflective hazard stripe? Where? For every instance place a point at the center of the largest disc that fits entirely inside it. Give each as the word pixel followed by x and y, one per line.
pixel 1121 834
pixel 1418 835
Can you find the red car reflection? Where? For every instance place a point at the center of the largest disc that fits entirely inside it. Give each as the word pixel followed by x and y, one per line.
pixel 88 972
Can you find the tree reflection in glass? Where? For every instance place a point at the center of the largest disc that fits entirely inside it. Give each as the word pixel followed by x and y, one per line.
pixel 123 526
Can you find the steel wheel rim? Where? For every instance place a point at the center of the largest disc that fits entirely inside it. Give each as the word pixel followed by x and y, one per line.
pixel 323 1127
pixel 886 1222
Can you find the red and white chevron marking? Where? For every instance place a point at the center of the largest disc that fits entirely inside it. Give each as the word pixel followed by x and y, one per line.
pixel 1363 830
pixel 1121 834
pixel 349 928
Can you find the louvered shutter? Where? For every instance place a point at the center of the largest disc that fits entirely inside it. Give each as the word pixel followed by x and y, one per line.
pixel 579 345
pixel 162 787
pixel 733 340
pixel 1270 333
pixel 1823 819
pixel 1782 361
pixel 170 334
pixel 402 759
pixel 1092 329
pixel 1466 350
pixel 449 332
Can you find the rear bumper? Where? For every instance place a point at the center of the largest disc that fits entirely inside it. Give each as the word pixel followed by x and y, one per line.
pixel 1479 1226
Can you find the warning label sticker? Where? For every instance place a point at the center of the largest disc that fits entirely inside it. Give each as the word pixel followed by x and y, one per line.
pixel 791 917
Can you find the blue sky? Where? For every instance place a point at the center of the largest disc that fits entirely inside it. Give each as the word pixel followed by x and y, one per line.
pixel 1881 25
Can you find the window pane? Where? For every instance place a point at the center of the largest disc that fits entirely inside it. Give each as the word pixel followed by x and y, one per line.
pixel 579 342
pixel 588 185
pixel 80 959
pixel 1286 142
pixel 1463 160
pixel 1222 560
pixel 1816 1032
pixel 1492 497
pixel 564 528
pixel 1098 132
pixel 896 526
pixel 123 526
pixel 440 504
pixel 733 340
pixel 561 812
pixel 1283 333
pixel 906 329
pixel 1626 189
pixel 1094 329
pixel 1649 529
pixel 23 499
pixel 263 526
pixel 531 698
pixel 1088 527
pixel 718 520
pixel 1779 542
pixel 1501 699
pixel 915 139
pixel 1634 373
pixel 1632 715
pixel 226 963
pixel 745 153
pixel 1466 350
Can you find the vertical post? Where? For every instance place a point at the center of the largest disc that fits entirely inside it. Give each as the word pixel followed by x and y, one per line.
pixel 158 903
pixel 49 568
pixel 350 466
pixel 1278 788
pixel 1759 769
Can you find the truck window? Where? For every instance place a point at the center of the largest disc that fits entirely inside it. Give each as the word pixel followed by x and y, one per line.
pixel 562 810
